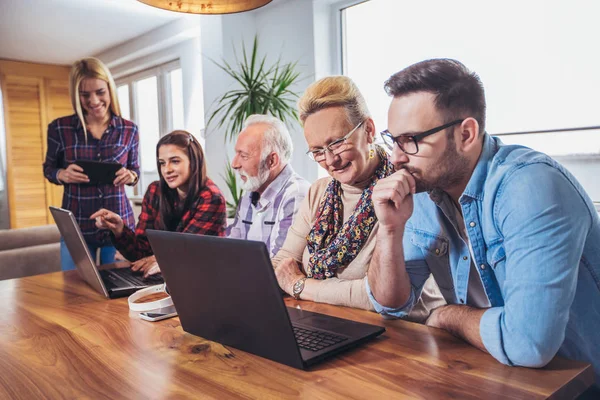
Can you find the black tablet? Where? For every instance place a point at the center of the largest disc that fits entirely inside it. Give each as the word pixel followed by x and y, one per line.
pixel 99 171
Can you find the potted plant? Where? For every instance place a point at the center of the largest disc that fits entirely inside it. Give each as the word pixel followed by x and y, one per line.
pixel 260 89
pixel 236 193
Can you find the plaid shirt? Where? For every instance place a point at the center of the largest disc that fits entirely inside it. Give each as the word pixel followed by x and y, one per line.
pixel 207 216
pixel 272 216
pixel 66 145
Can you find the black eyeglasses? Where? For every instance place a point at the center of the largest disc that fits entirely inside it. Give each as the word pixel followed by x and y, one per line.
pixel 409 143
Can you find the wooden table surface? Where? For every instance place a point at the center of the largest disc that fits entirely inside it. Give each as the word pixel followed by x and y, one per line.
pixel 61 339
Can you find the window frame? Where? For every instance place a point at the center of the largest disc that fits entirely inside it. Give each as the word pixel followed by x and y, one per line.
pixel 340 33
pixel 576 156
pixel 165 114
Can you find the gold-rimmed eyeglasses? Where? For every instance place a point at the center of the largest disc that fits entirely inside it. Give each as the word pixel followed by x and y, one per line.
pixel 336 147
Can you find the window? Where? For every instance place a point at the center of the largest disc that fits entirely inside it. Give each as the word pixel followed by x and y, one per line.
pixel 537 65
pixel 153 99
pixel 176 96
pixel 123 95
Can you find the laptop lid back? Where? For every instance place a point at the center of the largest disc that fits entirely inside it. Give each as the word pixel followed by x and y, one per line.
pixel 225 290
pixel 69 230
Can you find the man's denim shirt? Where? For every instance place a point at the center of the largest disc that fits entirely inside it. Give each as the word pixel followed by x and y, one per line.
pixel 535 236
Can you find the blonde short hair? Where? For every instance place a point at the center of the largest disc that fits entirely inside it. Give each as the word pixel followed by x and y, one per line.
pixel 334 91
pixel 91 67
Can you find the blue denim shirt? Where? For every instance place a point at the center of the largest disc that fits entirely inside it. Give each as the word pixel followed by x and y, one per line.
pixel 535 236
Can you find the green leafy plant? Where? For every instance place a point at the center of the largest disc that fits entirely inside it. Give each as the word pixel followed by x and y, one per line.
pixel 262 89
pixel 236 194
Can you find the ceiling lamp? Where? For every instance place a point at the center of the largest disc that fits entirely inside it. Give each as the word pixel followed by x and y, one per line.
pixel 207 6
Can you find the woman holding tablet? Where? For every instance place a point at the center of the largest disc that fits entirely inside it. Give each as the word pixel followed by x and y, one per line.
pixel 96 132
pixel 183 200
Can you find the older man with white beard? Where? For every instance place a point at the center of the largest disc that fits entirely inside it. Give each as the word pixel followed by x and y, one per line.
pixel 273 191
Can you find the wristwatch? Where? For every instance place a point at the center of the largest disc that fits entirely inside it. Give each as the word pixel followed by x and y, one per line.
pixel 136 178
pixel 298 288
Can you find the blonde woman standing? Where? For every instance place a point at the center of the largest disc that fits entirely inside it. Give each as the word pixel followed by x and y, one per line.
pixel 95 132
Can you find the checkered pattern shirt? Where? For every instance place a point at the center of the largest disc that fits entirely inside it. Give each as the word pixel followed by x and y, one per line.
pixel 272 216
pixel 207 216
pixel 67 145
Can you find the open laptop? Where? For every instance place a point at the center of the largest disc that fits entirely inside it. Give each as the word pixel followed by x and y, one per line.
pixel 225 290
pixel 111 282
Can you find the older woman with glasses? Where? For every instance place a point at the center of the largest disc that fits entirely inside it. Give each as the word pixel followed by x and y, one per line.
pixel 329 246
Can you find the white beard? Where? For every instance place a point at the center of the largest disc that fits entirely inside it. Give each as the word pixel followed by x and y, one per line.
pixel 252 183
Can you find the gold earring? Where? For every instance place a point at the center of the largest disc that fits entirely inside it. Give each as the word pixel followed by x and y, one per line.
pixel 371 153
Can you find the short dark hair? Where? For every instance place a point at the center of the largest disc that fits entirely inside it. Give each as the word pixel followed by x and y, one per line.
pixel 458 92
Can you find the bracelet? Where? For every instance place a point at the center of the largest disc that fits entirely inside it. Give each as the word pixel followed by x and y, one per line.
pixel 57 178
pixel 136 178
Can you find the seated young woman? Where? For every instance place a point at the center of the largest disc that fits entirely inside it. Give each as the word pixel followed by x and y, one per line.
pixel 183 200
pixel 328 249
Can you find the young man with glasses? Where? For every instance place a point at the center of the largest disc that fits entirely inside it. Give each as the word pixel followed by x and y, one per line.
pixel 510 236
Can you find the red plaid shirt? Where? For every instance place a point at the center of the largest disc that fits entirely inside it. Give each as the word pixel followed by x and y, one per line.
pixel 207 216
pixel 66 145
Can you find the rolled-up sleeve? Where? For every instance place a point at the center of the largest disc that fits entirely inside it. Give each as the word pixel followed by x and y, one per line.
pixel 400 312
pixel 544 222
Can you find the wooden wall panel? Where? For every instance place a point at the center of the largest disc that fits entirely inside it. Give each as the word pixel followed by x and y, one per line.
pixel 19 68
pixel 27 186
pixel 58 105
pixel 34 95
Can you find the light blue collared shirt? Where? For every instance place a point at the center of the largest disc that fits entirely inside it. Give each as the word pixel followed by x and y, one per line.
pixel 272 216
pixel 535 236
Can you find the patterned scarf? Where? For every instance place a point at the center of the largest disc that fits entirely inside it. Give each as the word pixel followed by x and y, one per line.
pixel 333 244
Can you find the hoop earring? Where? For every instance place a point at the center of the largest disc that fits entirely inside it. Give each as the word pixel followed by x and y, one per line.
pixel 371 153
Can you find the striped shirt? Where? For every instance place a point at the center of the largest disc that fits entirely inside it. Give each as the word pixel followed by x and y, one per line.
pixel 272 216
pixel 67 145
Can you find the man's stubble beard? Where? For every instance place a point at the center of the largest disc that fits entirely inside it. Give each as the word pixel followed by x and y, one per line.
pixel 449 170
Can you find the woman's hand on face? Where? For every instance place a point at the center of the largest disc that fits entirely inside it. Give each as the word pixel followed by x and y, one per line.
pixel 287 273
pixel 393 200
pixel 124 177
pixel 72 174
pixel 106 219
pixel 147 265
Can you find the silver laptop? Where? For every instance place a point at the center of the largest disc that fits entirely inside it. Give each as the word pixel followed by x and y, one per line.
pixel 111 281
pixel 225 290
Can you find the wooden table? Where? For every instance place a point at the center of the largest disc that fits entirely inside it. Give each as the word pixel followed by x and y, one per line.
pixel 61 339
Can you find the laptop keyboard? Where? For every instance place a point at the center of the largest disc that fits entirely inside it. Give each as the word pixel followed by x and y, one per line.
pixel 136 278
pixel 315 340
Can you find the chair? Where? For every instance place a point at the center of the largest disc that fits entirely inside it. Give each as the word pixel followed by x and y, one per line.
pixel 29 251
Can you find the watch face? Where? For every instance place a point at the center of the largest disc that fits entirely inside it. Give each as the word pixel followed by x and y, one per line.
pixel 298 286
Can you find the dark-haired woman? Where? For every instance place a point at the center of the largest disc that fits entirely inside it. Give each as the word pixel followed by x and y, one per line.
pixel 183 200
